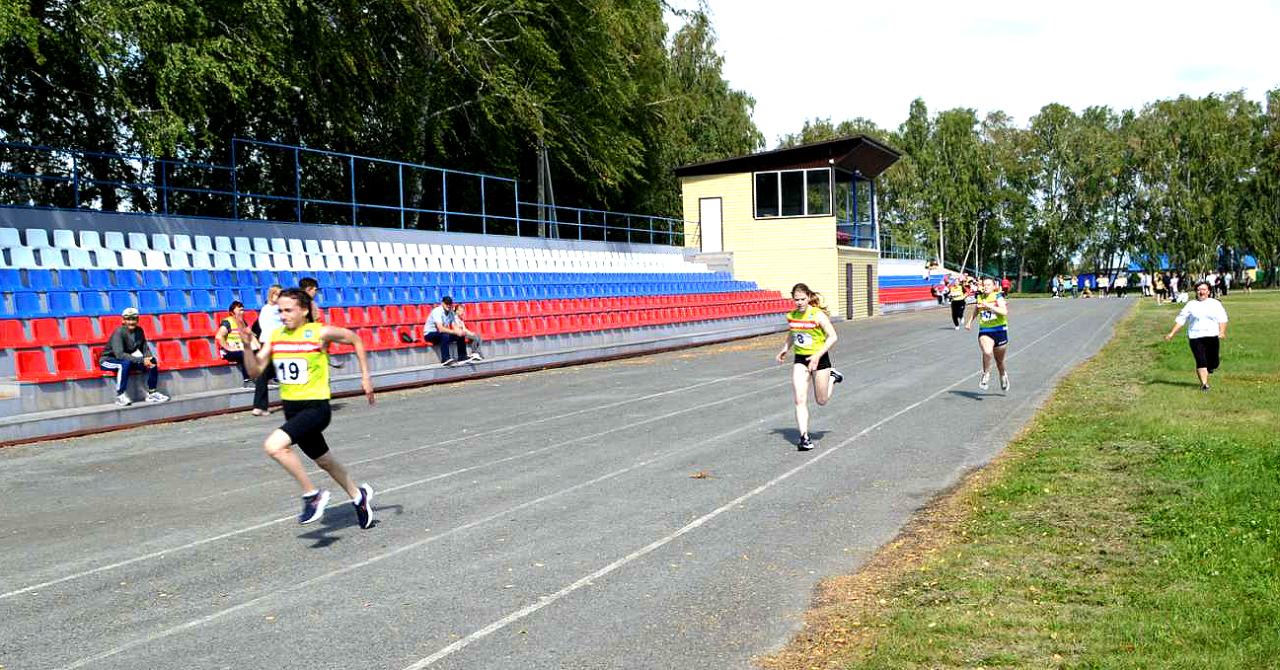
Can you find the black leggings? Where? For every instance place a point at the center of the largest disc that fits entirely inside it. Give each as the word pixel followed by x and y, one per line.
pixel 1205 349
pixel 236 357
pixel 957 311
pixel 260 386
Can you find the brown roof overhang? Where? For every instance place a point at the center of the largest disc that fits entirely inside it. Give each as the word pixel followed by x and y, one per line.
pixel 860 154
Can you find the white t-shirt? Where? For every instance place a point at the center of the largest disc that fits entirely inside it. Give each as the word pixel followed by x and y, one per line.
pixel 1202 317
pixel 269 317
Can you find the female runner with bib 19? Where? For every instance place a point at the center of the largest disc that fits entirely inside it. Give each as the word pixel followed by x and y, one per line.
pixel 810 337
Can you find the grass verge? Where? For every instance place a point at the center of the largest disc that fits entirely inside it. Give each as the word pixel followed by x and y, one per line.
pixel 1134 524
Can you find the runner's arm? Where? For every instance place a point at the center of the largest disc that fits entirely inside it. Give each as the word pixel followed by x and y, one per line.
pixel 256 361
pixel 221 336
pixel 338 335
pixel 786 346
pixel 830 331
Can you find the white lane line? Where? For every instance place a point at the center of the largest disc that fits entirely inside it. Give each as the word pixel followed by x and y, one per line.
pixel 259 526
pixel 696 523
pixel 504 514
pixel 414 545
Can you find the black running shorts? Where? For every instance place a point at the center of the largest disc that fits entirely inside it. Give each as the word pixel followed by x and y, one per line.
pixel 823 363
pixel 1205 349
pixel 305 421
pixel 1001 337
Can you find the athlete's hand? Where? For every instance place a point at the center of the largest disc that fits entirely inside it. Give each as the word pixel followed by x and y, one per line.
pixel 968 326
pixel 782 355
pixel 813 363
pixel 1168 336
pixel 367 385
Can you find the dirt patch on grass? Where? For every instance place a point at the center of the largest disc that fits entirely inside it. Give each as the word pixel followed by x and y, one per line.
pixel 846 609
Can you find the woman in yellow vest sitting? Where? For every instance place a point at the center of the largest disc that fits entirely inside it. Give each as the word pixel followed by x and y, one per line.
pixel 231 343
pixel 992 313
pixel 299 350
pixel 810 336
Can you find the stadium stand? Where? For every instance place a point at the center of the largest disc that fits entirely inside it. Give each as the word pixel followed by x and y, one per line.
pixel 62 290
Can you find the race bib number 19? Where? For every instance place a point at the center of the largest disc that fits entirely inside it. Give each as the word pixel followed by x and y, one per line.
pixel 291 371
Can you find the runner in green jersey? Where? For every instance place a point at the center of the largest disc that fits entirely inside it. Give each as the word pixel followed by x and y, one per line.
pixel 992 313
pixel 299 350
pixel 810 337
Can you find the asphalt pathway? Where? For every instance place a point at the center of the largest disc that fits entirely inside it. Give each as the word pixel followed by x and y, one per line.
pixel 643 513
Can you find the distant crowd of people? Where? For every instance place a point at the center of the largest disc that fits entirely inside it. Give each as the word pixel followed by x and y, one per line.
pixel 1165 286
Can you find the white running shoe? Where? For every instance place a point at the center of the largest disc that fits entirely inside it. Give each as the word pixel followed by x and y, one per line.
pixel 986 378
pixel 1004 382
pixel 123 400
pixel 156 396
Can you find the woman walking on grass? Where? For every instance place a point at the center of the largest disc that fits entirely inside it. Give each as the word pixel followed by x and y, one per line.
pixel 1206 322
pixel 810 337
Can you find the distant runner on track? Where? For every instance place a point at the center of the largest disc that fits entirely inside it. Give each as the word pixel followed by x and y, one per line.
pixel 992 313
pixel 810 337
pixel 299 351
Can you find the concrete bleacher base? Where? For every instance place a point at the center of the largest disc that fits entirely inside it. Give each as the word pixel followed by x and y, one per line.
pixel 28 417
pixel 889 308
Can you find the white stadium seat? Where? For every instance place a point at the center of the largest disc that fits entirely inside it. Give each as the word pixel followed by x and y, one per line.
pixel 131 259
pixel 183 243
pixel 311 246
pixel 344 247
pixel 50 258
pixel 279 245
pixel 105 259
pixel 138 242
pixel 89 239
pixel 79 259
pixel 261 245
pixel 155 260
pixel 64 239
pixel 223 243
pixel 113 240
pixel 37 238
pixel 242 245
pixel 9 238
pixel 327 247
pixel 178 260
pixel 161 242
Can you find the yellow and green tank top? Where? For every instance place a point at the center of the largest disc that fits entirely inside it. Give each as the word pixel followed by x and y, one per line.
pixel 807 335
pixel 302 362
pixel 987 319
pixel 956 291
pixel 233 334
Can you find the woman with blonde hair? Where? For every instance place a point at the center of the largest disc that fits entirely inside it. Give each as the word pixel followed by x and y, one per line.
pixel 267 324
pixel 810 337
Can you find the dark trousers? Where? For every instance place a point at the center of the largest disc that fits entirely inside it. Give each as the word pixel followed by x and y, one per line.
pixel 1205 350
pixel 260 386
pixel 124 366
pixel 957 311
pixel 441 342
pixel 236 357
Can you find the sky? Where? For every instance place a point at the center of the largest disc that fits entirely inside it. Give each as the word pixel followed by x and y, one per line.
pixel 809 59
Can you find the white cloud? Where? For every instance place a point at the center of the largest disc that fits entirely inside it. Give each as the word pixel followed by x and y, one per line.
pixel 825 58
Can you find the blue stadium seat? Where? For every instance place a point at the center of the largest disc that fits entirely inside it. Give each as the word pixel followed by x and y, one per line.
pixel 41 280
pixel 60 304
pixel 119 300
pixel 91 304
pixel 179 279
pixel 413 295
pixel 357 279
pixel 327 279
pixel 223 297
pixel 5 310
pixel 261 278
pixel 399 295
pixel 10 280
pixel 154 279
pixel 225 278
pixel 431 294
pixel 71 280
pixel 202 301
pixel 286 279
pixel 252 298
pixel 175 300
pixel 127 279
pixel 149 302
pixel 342 279
pixel 27 305
pixel 201 279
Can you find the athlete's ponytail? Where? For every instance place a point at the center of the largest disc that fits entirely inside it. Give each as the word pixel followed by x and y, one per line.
pixel 815 298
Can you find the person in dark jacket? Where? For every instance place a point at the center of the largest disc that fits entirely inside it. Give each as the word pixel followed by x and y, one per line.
pixel 126 351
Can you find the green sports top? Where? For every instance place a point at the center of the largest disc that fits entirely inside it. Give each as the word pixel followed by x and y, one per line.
pixel 987 319
pixel 807 335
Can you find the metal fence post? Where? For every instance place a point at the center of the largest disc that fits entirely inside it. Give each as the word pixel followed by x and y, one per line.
pixel 164 186
pixel 400 180
pixel 235 191
pixel 484 220
pixel 354 215
pixel 297 184
pixel 75 178
pixel 444 197
pixel 516 184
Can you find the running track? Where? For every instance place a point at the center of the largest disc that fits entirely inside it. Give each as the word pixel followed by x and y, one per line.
pixel 540 521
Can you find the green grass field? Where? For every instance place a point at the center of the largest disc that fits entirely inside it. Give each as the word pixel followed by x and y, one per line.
pixel 1135 524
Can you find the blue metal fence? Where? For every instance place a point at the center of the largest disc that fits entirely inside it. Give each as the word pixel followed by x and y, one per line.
pixel 327 187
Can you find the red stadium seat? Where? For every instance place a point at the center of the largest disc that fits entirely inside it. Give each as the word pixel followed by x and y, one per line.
pixel 375 316
pixel 412 331
pixel 80 330
pixel 171 355
pixel 70 364
pixel 32 366
pixel 12 335
pixel 200 354
pixel 46 332
pixel 336 316
pixel 173 325
pixel 200 324
pixel 357 317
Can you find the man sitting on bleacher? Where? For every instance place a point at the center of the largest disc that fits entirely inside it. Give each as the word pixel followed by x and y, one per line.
pixel 442 332
pixel 126 351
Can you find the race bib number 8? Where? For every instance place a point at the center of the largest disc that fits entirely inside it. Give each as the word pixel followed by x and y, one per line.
pixel 803 339
pixel 291 371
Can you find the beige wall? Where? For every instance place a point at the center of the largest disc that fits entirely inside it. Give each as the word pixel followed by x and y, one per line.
pixel 774 253
pixel 860 259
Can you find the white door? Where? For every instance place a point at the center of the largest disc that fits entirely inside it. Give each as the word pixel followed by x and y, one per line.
pixel 709 224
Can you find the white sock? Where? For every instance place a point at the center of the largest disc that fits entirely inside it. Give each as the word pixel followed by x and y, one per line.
pixel 310 493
